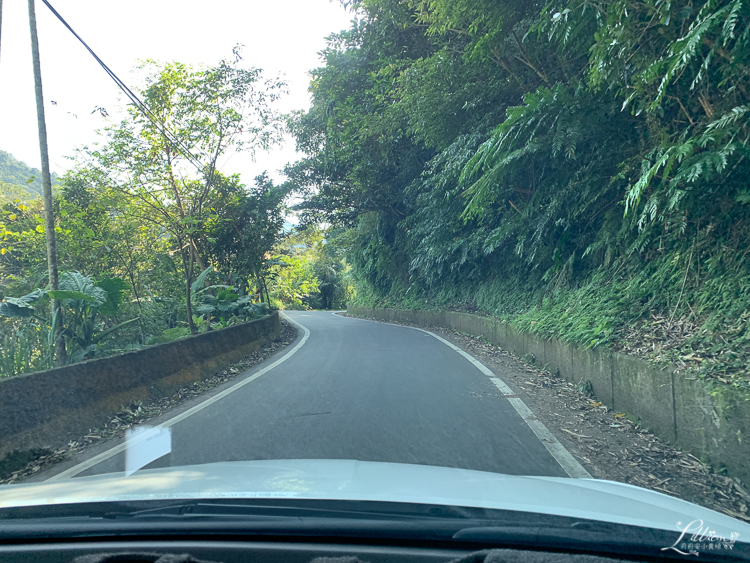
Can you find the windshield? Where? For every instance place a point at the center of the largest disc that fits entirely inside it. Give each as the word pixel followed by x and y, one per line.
pixel 475 254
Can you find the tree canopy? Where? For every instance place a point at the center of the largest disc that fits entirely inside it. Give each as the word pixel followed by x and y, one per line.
pixel 154 242
pixel 517 156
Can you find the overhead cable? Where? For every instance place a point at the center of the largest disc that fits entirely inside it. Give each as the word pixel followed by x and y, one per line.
pixel 171 137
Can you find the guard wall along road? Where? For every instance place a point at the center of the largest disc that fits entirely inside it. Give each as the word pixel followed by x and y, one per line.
pixel 675 406
pixel 47 409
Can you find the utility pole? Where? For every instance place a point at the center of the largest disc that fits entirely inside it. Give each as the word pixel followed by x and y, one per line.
pixel 49 219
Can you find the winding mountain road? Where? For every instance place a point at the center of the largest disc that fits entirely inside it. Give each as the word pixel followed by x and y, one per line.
pixel 356 389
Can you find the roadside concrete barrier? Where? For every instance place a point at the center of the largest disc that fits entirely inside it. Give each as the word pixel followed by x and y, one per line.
pixel 711 424
pixel 47 409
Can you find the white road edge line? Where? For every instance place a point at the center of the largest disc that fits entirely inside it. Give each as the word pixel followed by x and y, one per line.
pixel 554 447
pixel 566 460
pixel 89 463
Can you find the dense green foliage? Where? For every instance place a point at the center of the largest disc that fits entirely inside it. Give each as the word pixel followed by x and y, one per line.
pixel 153 242
pixel 309 269
pixel 579 167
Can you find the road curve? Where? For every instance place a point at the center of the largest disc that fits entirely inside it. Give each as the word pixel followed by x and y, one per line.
pixel 355 389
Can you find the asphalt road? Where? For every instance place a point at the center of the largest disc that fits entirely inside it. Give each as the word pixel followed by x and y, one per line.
pixel 361 390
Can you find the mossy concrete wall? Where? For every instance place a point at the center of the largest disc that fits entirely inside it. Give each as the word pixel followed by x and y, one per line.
pixel 46 409
pixel 676 407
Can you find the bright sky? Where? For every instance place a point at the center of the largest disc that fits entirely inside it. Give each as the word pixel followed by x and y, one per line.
pixel 282 37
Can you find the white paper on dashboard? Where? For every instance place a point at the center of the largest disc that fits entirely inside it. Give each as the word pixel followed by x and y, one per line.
pixel 144 445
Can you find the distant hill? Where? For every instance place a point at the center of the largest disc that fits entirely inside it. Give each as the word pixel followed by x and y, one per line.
pixel 19 180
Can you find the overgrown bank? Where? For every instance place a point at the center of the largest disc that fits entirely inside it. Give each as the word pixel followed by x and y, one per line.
pixel 578 169
pixel 635 312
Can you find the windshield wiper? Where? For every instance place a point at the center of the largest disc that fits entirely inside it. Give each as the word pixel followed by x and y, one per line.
pixel 266 512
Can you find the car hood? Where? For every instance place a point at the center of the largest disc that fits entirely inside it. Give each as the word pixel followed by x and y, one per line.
pixel 595 499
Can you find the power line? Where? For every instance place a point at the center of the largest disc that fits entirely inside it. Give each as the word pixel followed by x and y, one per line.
pixel 168 135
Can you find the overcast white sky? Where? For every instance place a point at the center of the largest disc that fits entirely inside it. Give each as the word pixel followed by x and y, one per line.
pixel 282 37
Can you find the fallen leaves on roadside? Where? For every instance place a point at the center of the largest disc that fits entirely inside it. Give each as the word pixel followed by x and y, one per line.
pixel 139 412
pixel 657 336
pixel 574 434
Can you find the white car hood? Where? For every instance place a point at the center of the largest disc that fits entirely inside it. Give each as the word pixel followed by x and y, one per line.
pixel 595 499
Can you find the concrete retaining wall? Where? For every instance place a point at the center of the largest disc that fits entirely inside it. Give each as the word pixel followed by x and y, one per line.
pixel 48 408
pixel 676 407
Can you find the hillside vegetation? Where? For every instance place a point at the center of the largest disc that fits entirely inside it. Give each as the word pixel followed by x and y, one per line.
pixel 578 167
pixel 18 181
pixel 153 242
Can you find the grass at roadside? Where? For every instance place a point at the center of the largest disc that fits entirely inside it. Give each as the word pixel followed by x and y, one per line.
pixel 655 312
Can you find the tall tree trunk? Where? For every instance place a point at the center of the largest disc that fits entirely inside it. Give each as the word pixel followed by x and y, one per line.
pixel 49 218
pixel 264 287
pixel 187 261
pixel 196 255
pixel 259 281
pixel 191 324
